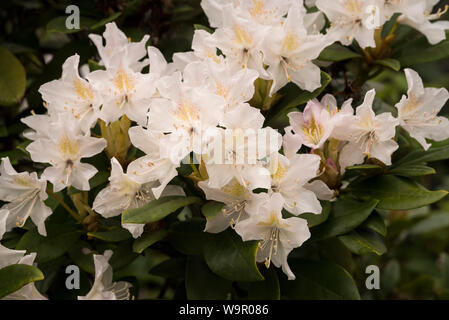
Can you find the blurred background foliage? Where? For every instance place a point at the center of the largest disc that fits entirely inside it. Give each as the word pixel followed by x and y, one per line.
pixel 34 43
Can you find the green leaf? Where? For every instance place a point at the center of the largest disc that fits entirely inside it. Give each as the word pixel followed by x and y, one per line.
pixel 115 235
pixel 81 258
pixel 390 276
pixel 231 258
pixel 320 280
pixel 188 237
pixel 211 209
pixel 365 170
pixel 123 255
pixel 172 268
pixel 12 79
pixel 412 170
pixel 148 239
pixel 94 65
pixel 201 27
pixel 346 215
pixel 376 223
pixel 268 289
pixel 423 156
pixel 58 240
pixel 157 209
pixel 14 277
pixel 389 63
pixel 203 284
pixel 316 219
pixel 337 52
pixel 427 53
pixel 395 193
pixel 388 26
pixel 105 21
pixel 436 221
pixel 363 242
pixel 293 97
pixel 58 24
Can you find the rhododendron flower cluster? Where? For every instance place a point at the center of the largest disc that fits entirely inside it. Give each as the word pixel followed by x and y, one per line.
pixel 197 111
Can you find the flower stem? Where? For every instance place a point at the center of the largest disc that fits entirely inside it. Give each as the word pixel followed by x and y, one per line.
pixel 62 203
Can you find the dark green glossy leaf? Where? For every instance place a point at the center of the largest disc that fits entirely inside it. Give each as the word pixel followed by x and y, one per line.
pixel 203 284
pixel 201 27
pixel 105 21
pixel 317 219
pixel 14 277
pixel 293 97
pixel 346 215
pixel 320 280
pixel 148 239
pixel 337 52
pixel 427 53
pixel 172 268
pixel 395 193
pixel 115 235
pixel 12 79
pixel 58 240
pixel 389 63
pixel 58 24
pixel 157 209
pixel 376 223
pixel 94 65
pixel 188 237
pixel 390 276
pixel 436 221
pixel 268 289
pixel 423 156
pixel 231 258
pixel 363 242
pixel 211 209
pixel 366 170
pixel 412 170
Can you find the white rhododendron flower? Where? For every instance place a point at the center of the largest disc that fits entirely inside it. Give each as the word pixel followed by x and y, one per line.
pixel 127 191
pixel 104 288
pixel 234 84
pixel 185 114
pixel 353 19
pixel 236 197
pixel 369 135
pixel 269 12
pixel 418 15
pixel 289 51
pixel 10 257
pixel 289 177
pixel 73 94
pixel 25 194
pixel 118 45
pixel 124 91
pixel 204 49
pixel 238 153
pixel 316 124
pixel 241 119
pixel 239 39
pixel 278 236
pixel 418 112
pixel 63 150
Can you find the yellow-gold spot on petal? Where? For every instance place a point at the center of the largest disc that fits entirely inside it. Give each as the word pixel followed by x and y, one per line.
pixel 123 82
pixel 82 90
pixel 68 148
pixel 290 43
